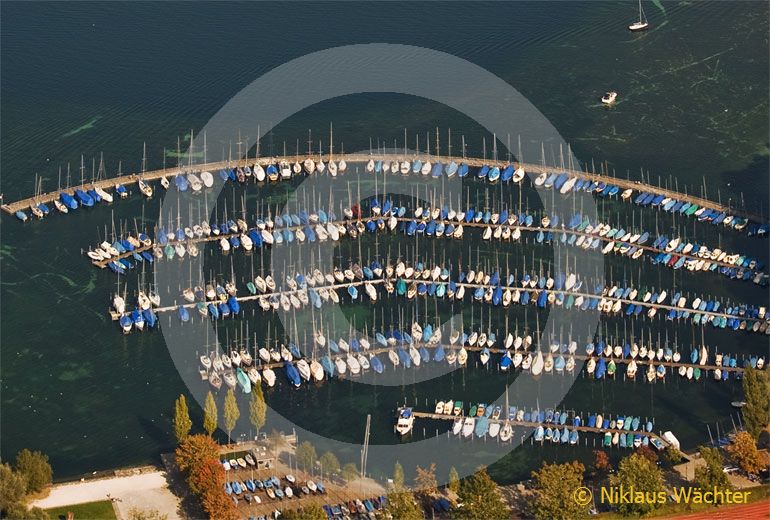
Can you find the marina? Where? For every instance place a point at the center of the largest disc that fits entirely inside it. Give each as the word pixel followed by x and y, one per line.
pixel 455 265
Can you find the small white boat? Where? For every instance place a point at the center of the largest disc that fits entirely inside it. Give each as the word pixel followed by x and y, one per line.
pixel 107 197
pixel 268 376
pixel 208 179
pixel 457 426
pixel 145 188
pixel 468 426
pixel 119 304
pixel 641 24
pixel 405 421
pixel 609 97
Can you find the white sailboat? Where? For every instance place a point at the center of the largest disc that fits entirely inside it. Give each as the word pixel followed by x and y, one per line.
pixel 642 24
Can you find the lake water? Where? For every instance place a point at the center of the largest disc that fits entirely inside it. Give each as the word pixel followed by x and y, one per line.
pixel 87 78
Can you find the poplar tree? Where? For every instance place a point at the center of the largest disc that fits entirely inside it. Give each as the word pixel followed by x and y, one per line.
pixel 231 413
pixel 182 422
pixel 257 408
pixel 210 415
pixel 756 412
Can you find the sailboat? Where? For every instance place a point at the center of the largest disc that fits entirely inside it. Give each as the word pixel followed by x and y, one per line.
pixel 642 24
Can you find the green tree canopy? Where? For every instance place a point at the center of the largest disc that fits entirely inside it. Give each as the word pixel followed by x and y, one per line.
pixel 312 512
pixel 350 471
pixel 329 462
pixel 182 422
pixel 306 455
pixel 711 475
pixel 34 467
pixel 481 499
pixel 744 452
pixel 401 505
pixel 257 408
pixel 398 476
pixel 13 487
pixel 210 414
pixel 555 486
pixel 19 511
pixel 644 476
pixel 454 480
pixel 231 412
pixel 756 412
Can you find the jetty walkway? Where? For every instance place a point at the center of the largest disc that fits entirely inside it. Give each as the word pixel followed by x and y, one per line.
pixel 535 425
pixel 153 175
pixel 618 244
pixel 620 360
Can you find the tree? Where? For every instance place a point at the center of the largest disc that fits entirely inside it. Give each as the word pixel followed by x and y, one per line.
pixel 454 480
pixel 647 453
pixel 231 413
pixel 33 466
pixel 637 472
pixel 398 476
pixel 329 463
pixel 481 499
pixel 19 511
pixel 312 512
pixel 218 505
pixel 13 487
pixel 710 475
pixel 425 481
pixel 401 505
pixel 602 464
pixel 146 514
pixel 257 408
pixel 182 422
pixel 194 449
pixel 350 471
pixel 305 455
pixel 673 456
pixel 209 473
pixel 210 414
pixel 744 452
pixel 554 487
pixel 756 390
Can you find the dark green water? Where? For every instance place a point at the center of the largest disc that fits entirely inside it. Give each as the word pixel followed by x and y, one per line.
pixel 90 78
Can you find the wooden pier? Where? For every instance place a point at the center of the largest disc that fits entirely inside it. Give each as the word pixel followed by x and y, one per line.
pixel 129 179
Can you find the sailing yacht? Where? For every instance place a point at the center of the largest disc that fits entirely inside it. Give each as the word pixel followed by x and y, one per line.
pixel 642 24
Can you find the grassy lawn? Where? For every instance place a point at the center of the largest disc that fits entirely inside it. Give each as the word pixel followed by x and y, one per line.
pixel 101 510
